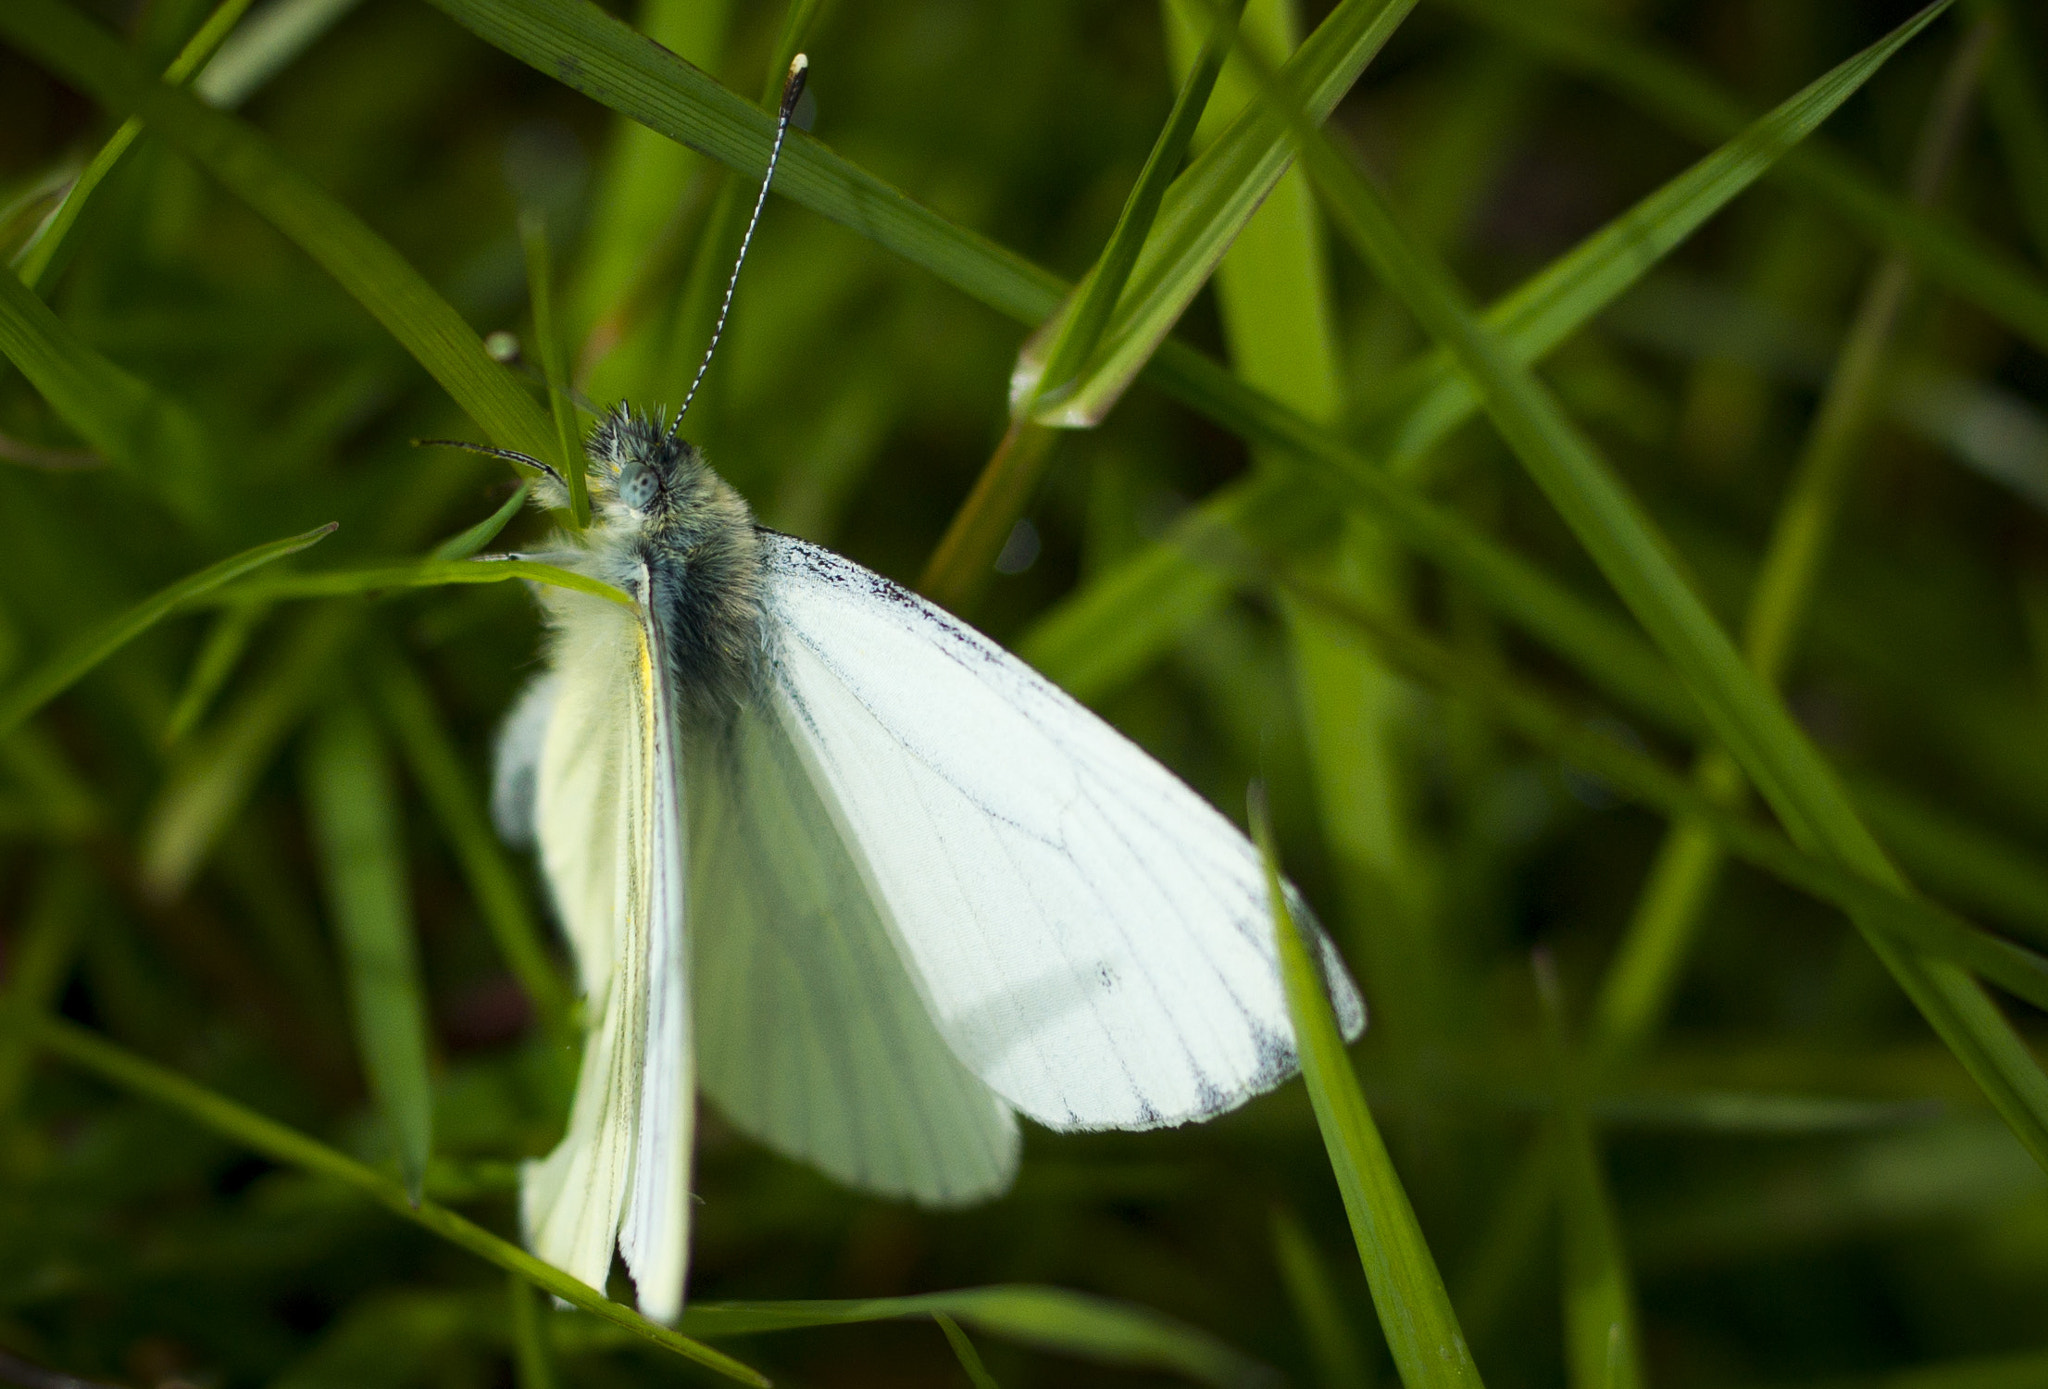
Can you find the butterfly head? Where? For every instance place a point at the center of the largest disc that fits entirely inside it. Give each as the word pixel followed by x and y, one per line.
pixel 637 467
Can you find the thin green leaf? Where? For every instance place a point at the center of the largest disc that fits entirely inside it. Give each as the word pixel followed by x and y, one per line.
pixel 40 956
pixel 1750 721
pixel 1407 1291
pixel 146 434
pixel 61 671
pixel 263 47
pixel 338 583
pixel 540 287
pixel 465 545
pixel 353 805
pixel 2013 98
pixel 1121 622
pixel 966 554
pixel 533 1360
pixel 225 643
pixel 1051 358
pixel 965 1353
pixel 211 778
pixel 1055 1319
pixel 1603 1346
pixel 40 254
pixel 1943 250
pixel 364 265
pixel 292 1148
pixel 1208 206
pixel 436 766
pixel 1889 907
pixel 1339 1360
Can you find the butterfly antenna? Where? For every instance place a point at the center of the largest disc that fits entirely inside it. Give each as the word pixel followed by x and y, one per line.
pixel 792 88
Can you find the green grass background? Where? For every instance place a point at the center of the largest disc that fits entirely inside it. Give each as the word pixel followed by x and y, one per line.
pixel 1734 476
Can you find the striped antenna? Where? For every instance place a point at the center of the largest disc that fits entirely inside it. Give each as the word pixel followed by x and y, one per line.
pixel 792 88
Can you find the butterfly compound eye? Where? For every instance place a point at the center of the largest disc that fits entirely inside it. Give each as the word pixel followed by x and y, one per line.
pixel 637 487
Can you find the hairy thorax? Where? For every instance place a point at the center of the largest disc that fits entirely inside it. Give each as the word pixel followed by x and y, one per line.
pixel 671 532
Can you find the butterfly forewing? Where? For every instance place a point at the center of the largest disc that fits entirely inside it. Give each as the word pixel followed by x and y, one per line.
pixel 1092 937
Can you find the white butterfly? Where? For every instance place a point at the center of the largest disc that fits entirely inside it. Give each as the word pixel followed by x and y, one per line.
pixel 861 874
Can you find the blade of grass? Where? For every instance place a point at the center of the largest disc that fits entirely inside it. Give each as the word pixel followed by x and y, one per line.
pixel 294 1149
pixel 1659 936
pixel 40 956
pixel 1339 1360
pixel 338 583
pixel 965 557
pixel 437 768
pixel 260 49
pixel 222 651
pixel 1125 619
pixel 1749 720
pixel 210 780
pixel 1603 1346
pixel 1208 207
pixel 1054 1319
pixel 149 436
pixel 964 1351
pixel 540 277
pixel 353 806
pixel 465 545
pixel 360 261
pixel 1944 251
pixel 2013 98
pixel 533 1361
pixel 39 256
pixel 1050 362
pixel 1581 744
pixel 64 669
pixel 1415 1312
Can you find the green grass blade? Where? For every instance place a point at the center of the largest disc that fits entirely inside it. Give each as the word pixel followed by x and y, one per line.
pixel 40 956
pixel 260 49
pixel 533 1360
pixel 1750 721
pixel 218 656
pixel 964 1351
pixel 1339 1360
pixel 1209 205
pixel 965 556
pixel 1603 1346
pixel 51 238
pixel 540 288
pixel 147 435
pixel 353 805
pixel 294 1149
pixel 467 543
pixel 339 583
pixel 1119 624
pixel 1052 357
pixel 1943 250
pixel 1054 1319
pixel 437 768
pixel 65 668
pixel 364 265
pixel 210 781
pixel 2014 100
pixel 1408 1292
pixel 1640 777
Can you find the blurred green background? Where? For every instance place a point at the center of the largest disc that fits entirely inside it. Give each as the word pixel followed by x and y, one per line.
pixel 255 832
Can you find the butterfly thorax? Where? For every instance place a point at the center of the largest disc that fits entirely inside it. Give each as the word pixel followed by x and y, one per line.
pixel 667 526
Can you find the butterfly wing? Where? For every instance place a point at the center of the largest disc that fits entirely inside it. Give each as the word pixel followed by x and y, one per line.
pixel 813 1037
pixel 607 811
pixel 1091 937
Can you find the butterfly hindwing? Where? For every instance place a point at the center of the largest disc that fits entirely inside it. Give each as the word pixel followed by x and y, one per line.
pixel 814 1038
